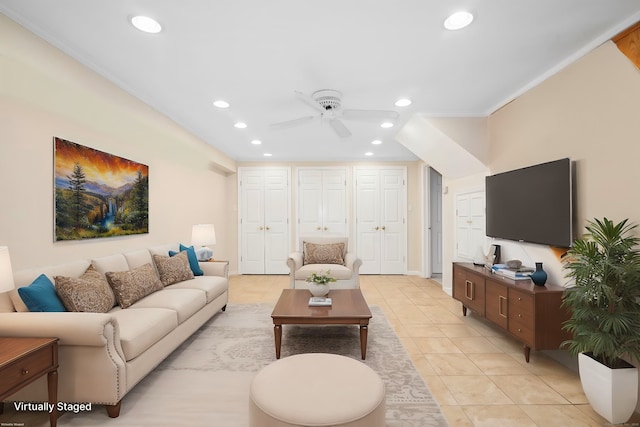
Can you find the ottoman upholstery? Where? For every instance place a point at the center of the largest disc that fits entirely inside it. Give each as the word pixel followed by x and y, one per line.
pixel 317 389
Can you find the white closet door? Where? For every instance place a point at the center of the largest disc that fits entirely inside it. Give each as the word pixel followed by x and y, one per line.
pixel 334 202
pixel 310 202
pixel 368 220
pixel 380 218
pixel 252 222
pixel 264 220
pixel 392 221
pixel 322 202
pixel 276 220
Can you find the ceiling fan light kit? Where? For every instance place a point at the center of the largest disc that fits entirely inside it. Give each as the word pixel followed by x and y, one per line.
pixel 328 103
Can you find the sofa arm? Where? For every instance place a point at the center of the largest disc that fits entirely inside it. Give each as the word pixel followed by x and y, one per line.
pixel 352 263
pixel 295 261
pixel 215 268
pixel 71 328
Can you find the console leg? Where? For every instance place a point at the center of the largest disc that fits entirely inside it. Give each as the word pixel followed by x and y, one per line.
pixel 527 353
pixel 113 410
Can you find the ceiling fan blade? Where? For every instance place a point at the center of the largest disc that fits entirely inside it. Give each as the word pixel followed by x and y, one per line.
pixel 294 122
pixel 310 101
pixel 373 115
pixel 340 128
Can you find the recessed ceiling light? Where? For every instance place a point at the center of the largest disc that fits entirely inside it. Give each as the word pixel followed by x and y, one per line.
pixel 221 104
pixel 268 154
pixel 458 20
pixel 146 24
pixel 403 102
pixel 240 125
pixel 386 125
pixel 368 153
pixel 376 142
pixel 256 142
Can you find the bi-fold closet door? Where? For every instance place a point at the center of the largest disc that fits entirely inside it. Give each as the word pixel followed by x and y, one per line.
pixel 381 195
pixel 265 200
pixel 322 202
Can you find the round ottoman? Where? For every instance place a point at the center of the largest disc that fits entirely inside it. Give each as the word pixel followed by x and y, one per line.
pixel 317 389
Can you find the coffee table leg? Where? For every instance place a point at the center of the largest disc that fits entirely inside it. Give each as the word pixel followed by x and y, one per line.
pixel 277 332
pixel 364 330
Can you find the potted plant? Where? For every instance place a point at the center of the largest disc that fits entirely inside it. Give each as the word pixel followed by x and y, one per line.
pixel 605 315
pixel 319 283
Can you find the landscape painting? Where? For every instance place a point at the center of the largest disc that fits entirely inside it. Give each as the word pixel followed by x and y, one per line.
pixel 98 194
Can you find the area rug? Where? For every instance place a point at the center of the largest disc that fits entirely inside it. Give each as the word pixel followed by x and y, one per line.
pixel 205 382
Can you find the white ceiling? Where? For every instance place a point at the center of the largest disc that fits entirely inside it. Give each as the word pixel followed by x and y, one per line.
pixel 256 53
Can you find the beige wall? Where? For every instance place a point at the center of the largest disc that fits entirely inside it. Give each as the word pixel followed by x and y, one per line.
pixel 44 93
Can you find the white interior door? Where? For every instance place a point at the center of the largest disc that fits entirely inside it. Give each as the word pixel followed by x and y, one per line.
pixel 310 202
pixel 435 221
pixel 392 221
pixel 470 225
pixel 368 220
pixel 264 220
pixel 276 222
pixel 380 220
pixel 334 202
pixel 252 222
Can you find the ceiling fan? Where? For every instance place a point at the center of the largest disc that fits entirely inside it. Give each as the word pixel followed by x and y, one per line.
pixel 328 103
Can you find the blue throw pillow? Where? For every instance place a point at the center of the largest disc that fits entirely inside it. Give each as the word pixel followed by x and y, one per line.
pixel 41 295
pixel 193 259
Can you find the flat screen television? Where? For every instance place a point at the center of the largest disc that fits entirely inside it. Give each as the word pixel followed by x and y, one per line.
pixel 533 204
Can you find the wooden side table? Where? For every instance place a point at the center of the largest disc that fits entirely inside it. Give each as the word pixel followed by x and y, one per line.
pixel 24 360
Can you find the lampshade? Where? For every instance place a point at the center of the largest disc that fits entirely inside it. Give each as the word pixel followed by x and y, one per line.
pixel 6 275
pixel 203 234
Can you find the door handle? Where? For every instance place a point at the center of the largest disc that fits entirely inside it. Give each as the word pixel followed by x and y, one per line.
pixel 384 228
pixel 326 228
pixel 261 228
pixel 377 228
pixel 267 228
pixel 318 228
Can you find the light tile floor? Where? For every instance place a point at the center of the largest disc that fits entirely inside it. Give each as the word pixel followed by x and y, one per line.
pixel 476 372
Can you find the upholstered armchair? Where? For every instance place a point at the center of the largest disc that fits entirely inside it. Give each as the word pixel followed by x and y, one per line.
pixel 319 254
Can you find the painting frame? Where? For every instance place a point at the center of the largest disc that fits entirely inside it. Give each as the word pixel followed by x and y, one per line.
pixel 97 194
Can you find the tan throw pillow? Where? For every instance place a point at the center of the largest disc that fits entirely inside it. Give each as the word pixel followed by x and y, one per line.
pixel 330 253
pixel 133 285
pixel 89 292
pixel 173 269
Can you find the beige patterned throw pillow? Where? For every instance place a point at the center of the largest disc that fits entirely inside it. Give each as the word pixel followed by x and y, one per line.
pixel 89 292
pixel 330 253
pixel 173 269
pixel 133 285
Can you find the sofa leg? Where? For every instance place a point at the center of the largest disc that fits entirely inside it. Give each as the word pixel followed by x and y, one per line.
pixel 224 308
pixel 113 410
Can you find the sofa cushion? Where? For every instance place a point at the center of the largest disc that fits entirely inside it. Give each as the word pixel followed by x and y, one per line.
pixel 140 329
pixel 185 302
pixel 193 259
pixel 330 253
pixel 339 272
pixel 212 286
pixel 138 258
pixel 41 295
pixel 130 286
pixel 108 263
pixel 173 269
pixel 89 293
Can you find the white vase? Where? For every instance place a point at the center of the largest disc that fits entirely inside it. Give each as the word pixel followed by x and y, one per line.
pixel 612 393
pixel 318 290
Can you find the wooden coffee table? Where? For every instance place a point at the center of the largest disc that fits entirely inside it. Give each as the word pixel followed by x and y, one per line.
pixel 348 308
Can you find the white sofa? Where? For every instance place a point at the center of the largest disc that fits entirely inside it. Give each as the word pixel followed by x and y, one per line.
pixel 102 356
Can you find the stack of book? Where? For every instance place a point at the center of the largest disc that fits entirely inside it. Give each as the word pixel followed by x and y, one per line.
pixel 521 273
pixel 319 302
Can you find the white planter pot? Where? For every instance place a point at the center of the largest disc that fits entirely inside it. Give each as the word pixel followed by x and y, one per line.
pixel 319 290
pixel 612 393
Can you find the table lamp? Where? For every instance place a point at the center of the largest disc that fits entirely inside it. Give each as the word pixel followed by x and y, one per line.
pixel 203 235
pixel 6 275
